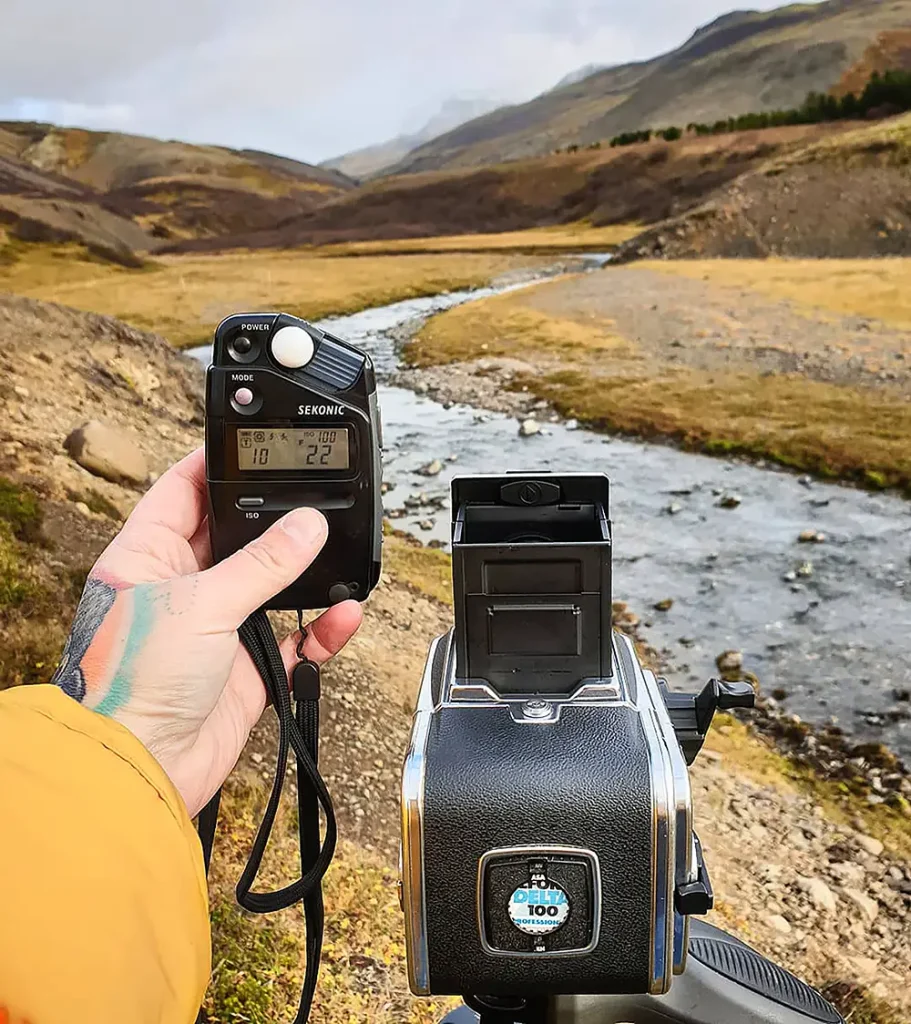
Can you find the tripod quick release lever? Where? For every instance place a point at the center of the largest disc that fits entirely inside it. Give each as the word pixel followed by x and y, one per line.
pixel 691 714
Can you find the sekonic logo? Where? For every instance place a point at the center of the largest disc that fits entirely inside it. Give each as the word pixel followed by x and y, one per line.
pixel 320 410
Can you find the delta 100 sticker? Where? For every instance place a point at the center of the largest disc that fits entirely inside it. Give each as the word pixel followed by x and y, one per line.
pixel 539 910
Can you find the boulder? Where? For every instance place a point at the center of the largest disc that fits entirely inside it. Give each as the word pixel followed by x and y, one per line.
pixel 108 453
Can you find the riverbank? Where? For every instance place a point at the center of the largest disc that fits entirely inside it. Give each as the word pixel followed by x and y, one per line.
pixel 708 358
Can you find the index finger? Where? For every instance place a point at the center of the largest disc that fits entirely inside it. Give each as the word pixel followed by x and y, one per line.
pixel 177 501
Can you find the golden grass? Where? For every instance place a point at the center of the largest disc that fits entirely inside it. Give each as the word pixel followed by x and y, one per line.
pixel 879 289
pixel 258 962
pixel 564 238
pixel 427 570
pixel 888 140
pixel 184 297
pixel 587 372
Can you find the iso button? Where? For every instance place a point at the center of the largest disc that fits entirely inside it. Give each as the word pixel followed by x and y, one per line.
pixel 292 347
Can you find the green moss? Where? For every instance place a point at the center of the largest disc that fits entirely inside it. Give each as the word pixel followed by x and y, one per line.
pixel 17 587
pixel 21 510
pixel 254 967
pixel 877 479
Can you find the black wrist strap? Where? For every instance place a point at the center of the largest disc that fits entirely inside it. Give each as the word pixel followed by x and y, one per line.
pixel 298 731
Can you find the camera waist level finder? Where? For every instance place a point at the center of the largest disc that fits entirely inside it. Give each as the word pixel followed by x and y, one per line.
pixel 292 420
pixel 548 846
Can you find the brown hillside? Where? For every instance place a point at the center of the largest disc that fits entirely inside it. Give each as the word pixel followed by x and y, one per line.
pixel 891 51
pixel 120 195
pixel 606 186
pixel 745 61
pixel 845 195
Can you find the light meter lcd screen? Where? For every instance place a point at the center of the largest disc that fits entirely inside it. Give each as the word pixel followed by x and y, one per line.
pixel 292 449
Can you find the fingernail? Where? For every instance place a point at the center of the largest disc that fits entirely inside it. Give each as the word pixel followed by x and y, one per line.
pixel 305 525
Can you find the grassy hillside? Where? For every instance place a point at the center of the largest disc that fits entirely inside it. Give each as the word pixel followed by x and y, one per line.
pixel 744 61
pixel 845 194
pixel 122 195
pixel 603 186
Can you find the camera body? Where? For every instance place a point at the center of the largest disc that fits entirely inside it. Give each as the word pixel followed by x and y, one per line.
pixel 547 841
pixel 292 420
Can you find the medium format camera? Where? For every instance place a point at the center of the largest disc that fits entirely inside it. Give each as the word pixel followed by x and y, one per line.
pixel 292 420
pixel 548 849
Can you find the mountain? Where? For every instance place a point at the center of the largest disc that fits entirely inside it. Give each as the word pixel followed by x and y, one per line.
pixel 644 184
pixel 370 161
pixel 120 195
pixel 741 62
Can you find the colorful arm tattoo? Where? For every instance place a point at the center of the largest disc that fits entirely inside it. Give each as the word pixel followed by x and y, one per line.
pixel 112 623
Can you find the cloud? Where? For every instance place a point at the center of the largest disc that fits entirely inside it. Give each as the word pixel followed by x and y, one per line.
pixel 308 78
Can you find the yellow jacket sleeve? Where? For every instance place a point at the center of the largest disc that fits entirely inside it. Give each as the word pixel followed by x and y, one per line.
pixel 103 905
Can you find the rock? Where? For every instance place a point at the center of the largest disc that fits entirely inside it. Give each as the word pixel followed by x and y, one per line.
pixel 805 570
pixel 865 967
pixel 789 577
pixel 107 453
pixel 868 907
pixel 729 661
pixel 779 924
pixel 873 846
pixel 21 391
pixel 83 508
pixel 673 508
pixel 572 424
pixel 427 524
pixel 811 537
pixel 664 605
pixel 730 501
pixel 432 468
pixel 256 757
pixel 820 894
pixel 529 427
pixel 805 481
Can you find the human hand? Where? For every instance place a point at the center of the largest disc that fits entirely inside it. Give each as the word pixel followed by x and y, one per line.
pixel 154 642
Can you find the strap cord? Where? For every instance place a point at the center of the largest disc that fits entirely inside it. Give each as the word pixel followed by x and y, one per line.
pixel 298 731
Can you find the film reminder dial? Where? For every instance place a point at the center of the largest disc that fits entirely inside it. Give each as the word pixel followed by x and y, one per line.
pixel 291 421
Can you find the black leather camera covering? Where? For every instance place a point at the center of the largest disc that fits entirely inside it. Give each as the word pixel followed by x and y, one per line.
pixel 492 783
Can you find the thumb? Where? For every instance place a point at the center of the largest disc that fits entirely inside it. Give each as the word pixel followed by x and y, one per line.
pixel 236 587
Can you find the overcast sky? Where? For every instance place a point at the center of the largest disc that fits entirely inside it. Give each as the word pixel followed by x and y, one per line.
pixel 304 78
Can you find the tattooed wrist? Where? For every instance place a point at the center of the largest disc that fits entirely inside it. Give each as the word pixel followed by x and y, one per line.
pixel 113 621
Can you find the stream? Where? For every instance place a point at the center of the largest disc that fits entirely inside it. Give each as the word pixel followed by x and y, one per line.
pixel 829 624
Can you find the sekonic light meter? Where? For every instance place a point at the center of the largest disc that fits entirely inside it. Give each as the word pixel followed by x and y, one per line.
pixel 292 420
